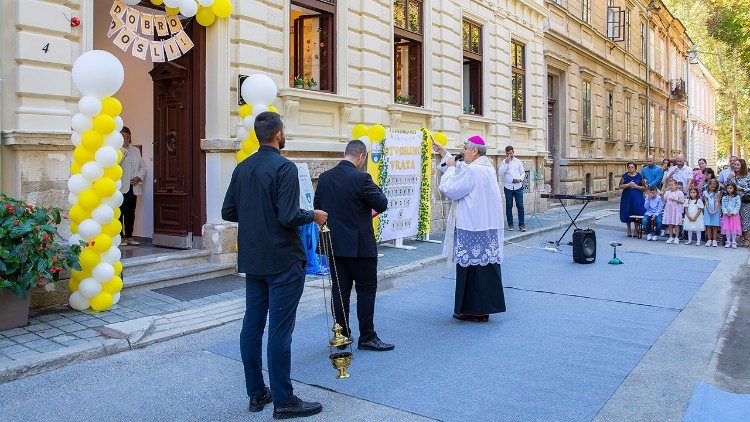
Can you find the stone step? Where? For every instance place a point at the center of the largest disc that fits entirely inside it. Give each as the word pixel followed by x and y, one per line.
pixel 177 275
pixel 147 263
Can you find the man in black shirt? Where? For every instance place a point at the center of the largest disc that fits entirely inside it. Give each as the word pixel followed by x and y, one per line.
pixel 349 196
pixel 263 197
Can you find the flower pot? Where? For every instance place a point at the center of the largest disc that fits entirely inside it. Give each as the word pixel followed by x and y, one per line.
pixel 14 311
pixel 298 86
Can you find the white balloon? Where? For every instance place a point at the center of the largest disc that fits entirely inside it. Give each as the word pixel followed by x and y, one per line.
pixel 258 88
pixel 115 298
pixel 118 184
pixel 112 255
pixel 80 123
pixel 206 3
pixel 131 2
pixel 75 239
pixel 92 171
pixel 114 139
pixel 90 106
pixel 116 241
pixel 72 198
pixel 103 214
pixel 172 3
pixel 77 184
pixel 242 132
pixel 89 288
pixel 259 108
pixel 248 123
pixel 75 139
pixel 119 123
pixel 115 200
pixel 188 8
pixel 98 73
pixel 89 229
pixel 103 272
pixel 106 156
pixel 78 302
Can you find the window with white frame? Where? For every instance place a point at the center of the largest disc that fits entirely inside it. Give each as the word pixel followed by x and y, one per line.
pixel 610 118
pixel 586 108
pixel 628 122
pixel 643 122
pixel 652 132
pixel 472 67
pixel 586 11
pixel 518 83
pixel 662 127
pixel 408 31
pixel 312 37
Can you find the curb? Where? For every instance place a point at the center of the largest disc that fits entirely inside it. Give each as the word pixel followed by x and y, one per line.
pixel 129 335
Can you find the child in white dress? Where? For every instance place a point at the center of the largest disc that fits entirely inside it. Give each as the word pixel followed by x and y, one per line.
pixel 693 221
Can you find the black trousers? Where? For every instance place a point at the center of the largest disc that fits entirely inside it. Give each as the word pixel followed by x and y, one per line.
pixel 362 273
pixel 127 211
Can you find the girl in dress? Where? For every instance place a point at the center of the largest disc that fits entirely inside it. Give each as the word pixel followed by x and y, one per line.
pixel 730 221
pixel 693 222
pixel 674 200
pixel 712 212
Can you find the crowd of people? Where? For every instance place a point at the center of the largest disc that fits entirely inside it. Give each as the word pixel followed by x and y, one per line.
pixel 697 205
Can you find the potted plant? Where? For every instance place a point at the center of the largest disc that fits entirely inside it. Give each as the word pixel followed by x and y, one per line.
pixel 311 84
pixel 403 99
pixel 470 109
pixel 30 256
pixel 299 82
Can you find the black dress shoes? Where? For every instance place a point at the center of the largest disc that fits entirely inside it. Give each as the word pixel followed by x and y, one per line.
pixel 297 409
pixel 257 403
pixel 472 318
pixel 376 345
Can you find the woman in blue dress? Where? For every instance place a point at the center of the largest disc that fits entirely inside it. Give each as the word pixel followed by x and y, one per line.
pixel 631 201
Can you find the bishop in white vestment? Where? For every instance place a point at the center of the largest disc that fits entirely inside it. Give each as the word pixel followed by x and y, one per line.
pixel 474 236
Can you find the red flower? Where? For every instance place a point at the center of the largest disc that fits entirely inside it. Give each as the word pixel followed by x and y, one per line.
pixel 17 222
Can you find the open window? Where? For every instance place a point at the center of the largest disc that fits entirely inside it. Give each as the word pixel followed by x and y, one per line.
pixel 313 35
pixel 472 48
pixel 408 31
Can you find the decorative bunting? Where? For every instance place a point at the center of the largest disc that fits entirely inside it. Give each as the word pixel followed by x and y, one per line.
pixel 128 24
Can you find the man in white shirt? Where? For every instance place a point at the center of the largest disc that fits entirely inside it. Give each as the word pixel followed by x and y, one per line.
pixel 681 173
pixel 513 174
pixel 724 174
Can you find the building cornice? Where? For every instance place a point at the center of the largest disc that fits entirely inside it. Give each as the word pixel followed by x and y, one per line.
pixel 37 140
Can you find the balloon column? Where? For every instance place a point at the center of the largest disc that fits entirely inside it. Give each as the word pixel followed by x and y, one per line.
pixel 205 11
pixel 94 183
pixel 260 91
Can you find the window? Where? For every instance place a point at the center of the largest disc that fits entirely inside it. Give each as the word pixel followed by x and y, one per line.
pixel 407 31
pixel 644 40
pixel 662 55
pixel 643 122
pixel 662 128
pixel 472 47
pixel 628 32
pixel 609 128
pixel 652 134
pixel 587 108
pixel 312 36
pixel 586 11
pixel 587 188
pixel 675 131
pixel 518 60
pixel 628 121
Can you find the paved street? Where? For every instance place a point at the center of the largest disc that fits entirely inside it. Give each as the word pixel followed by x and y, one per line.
pixel 187 379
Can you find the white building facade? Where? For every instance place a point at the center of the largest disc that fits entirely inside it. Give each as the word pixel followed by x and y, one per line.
pixel 703 129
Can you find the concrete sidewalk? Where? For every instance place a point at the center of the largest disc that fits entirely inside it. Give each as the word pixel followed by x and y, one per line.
pixel 59 336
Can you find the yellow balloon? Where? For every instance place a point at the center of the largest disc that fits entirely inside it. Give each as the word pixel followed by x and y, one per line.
pixel 157 2
pixel 359 131
pixel 222 8
pixel 80 275
pixel 92 140
pixel 114 172
pixel 172 11
pixel 74 228
pixel 113 228
pixel 118 213
pixel 82 155
pixel 73 284
pixel 89 200
pixel 105 187
pixel 273 109
pixel 78 214
pixel 118 268
pixel 112 286
pixel 246 110
pixel 376 133
pixel 111 106
pixel 104 124
pixel 119 156
pixel 101 243
pixel 205 16
pixel 241 155
pixel 75 168
pixel 102 301
pixel 249 146
pixel 440 138
pixel 88 259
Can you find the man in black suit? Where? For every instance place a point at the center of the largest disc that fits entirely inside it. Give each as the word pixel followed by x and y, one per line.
pixel 349 196
pixel 263 197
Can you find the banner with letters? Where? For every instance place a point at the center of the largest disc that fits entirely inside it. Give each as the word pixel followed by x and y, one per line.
pixel 133 30
pixel 401 179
